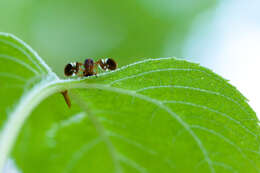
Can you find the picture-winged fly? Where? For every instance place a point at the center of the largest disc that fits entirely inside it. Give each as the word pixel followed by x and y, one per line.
pixel 88 68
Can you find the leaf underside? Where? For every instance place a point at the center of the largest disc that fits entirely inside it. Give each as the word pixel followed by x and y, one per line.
pixel 156 115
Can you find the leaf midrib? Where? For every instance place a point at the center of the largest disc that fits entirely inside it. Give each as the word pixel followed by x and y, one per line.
pixel 161 106
pixel 59 85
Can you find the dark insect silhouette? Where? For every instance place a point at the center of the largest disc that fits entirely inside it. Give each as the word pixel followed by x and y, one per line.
pixel 88 68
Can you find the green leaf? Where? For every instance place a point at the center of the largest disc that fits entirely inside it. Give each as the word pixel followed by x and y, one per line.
pixel 156 115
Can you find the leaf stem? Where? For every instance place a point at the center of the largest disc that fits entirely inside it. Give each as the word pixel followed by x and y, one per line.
pixel 21 112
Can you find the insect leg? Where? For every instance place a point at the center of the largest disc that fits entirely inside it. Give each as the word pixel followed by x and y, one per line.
pixel 66 97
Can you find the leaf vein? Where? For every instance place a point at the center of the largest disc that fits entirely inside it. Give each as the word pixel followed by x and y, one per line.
pixel 226 140
pixel 18 61
pixel 20 49
pixel 196 89
pixel 212 110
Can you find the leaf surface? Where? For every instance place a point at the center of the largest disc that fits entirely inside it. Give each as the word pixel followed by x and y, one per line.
pixel 156 115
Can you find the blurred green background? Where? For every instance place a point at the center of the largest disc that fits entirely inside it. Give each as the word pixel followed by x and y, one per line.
pixel 62 31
